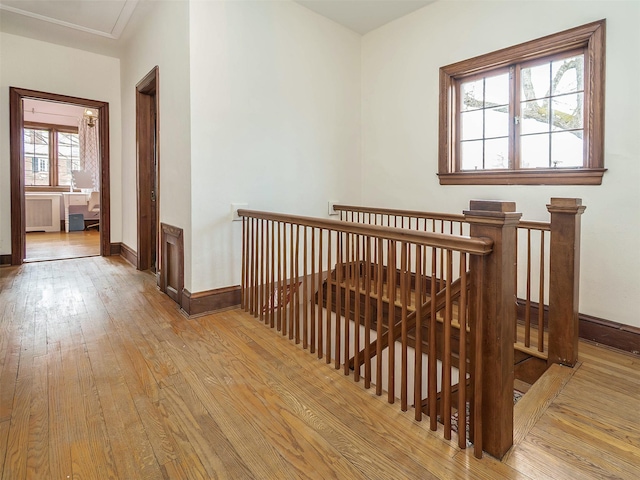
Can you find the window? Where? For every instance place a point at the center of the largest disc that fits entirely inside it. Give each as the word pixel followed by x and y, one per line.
pixel 530 114
pixel 50 153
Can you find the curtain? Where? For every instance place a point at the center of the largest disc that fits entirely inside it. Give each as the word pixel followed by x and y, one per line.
pixel 89 151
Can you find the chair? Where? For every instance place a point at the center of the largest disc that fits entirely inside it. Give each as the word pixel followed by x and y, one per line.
pixel 94 207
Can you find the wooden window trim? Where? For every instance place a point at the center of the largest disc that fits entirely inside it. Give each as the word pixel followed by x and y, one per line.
pixel 53 130
pixel 591 38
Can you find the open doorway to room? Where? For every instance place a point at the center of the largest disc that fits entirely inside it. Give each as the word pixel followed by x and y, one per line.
pixel 59 177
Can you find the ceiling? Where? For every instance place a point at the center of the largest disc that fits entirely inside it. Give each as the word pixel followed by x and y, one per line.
pixel 362 16
pixel 98 25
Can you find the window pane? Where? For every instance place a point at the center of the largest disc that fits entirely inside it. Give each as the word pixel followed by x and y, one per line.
pixel 496 153
pixel 36 157
pixel 534 151
pixel 68 156
pixel 496 90
pixel 471 155
pixel 471 125
pixel 534 116
pixel 535 81
pixel 496 122
pixel 566 149
pixel 567 112
pixel 472 95
pixel 568 75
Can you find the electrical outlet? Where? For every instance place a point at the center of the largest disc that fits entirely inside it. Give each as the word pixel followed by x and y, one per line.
pixel 331 204
pixel 234 211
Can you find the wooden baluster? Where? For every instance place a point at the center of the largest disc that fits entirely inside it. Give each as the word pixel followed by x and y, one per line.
pixel 297 288
pixel 541 296
pixel 256 237
pixel 329 298
pixel 263 282
pixel 267 283
pixel 347 309
pixel 515 282
pixel 367 317
pixel 527 312
pixel 391 286
pixel 312 326
pixel 446 361
pixel 305 293
pixel 380 291
pixel 404 299
pixel 283 291
pixel 462 356
pixel 442 265
pixel 477 329
pixel 432 378
pixel 417 368
pixel 321 294
pixel 273 289
pixel 282 260
pixel 250 266
pixel 243 287
pixel 356 316
pixel 292 283
pixel 339 289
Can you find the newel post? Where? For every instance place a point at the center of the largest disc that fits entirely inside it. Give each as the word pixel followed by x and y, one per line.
pixel 564 279
pixel 497 221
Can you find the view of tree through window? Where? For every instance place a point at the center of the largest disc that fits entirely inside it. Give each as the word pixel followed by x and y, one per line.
pixel 544 124
pixel 529 114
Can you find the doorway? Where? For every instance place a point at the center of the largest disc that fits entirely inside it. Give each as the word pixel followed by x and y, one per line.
pixel 148 165
pixel 17 98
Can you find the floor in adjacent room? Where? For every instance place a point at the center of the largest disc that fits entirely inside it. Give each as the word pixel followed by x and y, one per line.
pixel 60 245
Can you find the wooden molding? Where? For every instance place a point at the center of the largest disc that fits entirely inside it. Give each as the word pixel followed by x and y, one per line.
pixel 597 330
pixel 5 260
pixel 210 301
pixel 128 254
pixel 16 114
pixel 115 248
pixel 171 274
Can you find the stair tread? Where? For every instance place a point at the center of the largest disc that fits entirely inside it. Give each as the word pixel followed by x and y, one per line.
pixel 532 406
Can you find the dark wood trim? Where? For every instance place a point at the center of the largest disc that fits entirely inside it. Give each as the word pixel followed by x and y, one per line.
pixel 210 301
pixel 597 330
pixel 171 274
pixel 5 260
pixel 611 334
pixel 147 135
pixel 129 254
pixel 591 37
pixel 16 116
pixel 115 248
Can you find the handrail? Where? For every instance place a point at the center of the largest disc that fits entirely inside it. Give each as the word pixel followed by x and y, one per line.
pixel 447 217
pixel 401 213
pixel 462 243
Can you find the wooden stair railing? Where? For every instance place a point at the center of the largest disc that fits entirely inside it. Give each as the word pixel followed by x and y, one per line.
pixel 553 247
pixel 440 304
pixel 285 260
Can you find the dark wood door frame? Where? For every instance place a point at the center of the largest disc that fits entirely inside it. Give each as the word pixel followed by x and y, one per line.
pixel 16 118
pixel 148 170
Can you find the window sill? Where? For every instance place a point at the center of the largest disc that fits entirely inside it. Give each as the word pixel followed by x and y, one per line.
pixel 555 176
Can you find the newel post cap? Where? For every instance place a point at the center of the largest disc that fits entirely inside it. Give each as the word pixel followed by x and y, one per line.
pixel 566 205
pixel 496 212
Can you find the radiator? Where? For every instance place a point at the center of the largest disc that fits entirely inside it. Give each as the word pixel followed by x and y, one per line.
pixel 42 211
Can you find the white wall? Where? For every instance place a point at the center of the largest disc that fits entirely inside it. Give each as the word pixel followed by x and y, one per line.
pixel 46 67
pixel 162 39
pixel 400 64
pixel 275 121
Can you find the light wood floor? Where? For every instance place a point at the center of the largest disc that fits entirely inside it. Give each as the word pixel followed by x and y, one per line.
pixel 101 377
pixel 61 245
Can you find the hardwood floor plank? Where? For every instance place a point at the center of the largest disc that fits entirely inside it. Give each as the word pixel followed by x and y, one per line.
pixel 38 440
pixel 102 377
